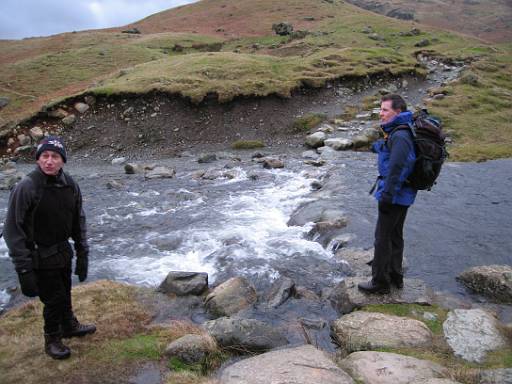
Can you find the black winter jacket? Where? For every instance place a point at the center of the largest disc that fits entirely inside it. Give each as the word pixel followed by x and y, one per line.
pixel 19 229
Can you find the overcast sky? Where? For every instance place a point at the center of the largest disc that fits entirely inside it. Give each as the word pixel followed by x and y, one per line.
pixel 26 18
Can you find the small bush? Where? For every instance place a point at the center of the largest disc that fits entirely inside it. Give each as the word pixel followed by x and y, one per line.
pixel 308 121
pixel 470 78
pixel 247 144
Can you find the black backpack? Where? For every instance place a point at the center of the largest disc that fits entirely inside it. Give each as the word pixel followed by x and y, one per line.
pixel 430 146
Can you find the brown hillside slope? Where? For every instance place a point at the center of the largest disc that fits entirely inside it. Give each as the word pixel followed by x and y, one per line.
pixel 490 20
pixel 235 18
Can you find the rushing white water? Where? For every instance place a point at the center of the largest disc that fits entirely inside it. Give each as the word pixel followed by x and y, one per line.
pixel 248 227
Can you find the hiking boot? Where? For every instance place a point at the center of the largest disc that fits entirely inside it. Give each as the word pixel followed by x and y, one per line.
pixel 397 279
pixel 398 282
pixel 54 348
pixel 75 329
pixel 372 287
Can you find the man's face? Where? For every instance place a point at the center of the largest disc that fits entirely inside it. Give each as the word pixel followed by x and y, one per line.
pixel 387 113
pixel 50 162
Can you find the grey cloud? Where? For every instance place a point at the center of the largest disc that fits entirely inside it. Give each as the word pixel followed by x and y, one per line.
pixel 25 18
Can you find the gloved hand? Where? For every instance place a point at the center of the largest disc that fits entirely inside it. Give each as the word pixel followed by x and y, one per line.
pixel 82 265
pixel 28 283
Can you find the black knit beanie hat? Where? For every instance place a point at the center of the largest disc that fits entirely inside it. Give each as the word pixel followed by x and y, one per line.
pixel 51 143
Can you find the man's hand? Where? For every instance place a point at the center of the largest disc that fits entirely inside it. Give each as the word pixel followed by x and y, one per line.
pixel 82 265
pixel 28 283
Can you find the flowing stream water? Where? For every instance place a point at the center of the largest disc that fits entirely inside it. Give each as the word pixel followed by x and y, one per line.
pixel 238 226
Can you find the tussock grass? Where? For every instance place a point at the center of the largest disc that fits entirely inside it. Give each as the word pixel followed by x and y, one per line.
pixel 479 115
pixel 124 339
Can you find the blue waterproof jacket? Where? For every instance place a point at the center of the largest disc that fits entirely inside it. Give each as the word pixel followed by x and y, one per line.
pixel 396 158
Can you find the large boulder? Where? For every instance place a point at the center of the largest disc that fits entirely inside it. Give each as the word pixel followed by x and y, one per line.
pixel 272 163
pixel 316 139
pixel 69 120
pixel 345 297
pixel 231 297
pixel 160 173
pixel 81 107
pixel 282 289
pixel 356 261
pixel 282 29
pixel 36 133
pixel 390 368
pixel 493 281
pixel 9 180
pixel 132 168
pixel 316 211
pixel 244 335
pixel 4 101
pixel 184 283
pixel 372 134
pixel 300 365
pixel 471 333
pixel 191 348
pixel 496 376
pixel 362 330
pixel 361 141
pixel 328 153
pixel 338 144
pixel 207 158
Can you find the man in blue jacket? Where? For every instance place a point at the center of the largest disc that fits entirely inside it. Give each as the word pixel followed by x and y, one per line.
pixel 396 158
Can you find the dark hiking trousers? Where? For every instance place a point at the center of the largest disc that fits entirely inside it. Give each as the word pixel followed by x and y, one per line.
pixel 389 243
pixel 54 287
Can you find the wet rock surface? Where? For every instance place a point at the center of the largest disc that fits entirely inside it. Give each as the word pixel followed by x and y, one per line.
pixel 230 297
pixel 493 281
pixel 346 296
pixel 184 283
pixel 244 335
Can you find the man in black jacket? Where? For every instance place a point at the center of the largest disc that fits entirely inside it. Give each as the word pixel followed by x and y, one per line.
pixel 45 210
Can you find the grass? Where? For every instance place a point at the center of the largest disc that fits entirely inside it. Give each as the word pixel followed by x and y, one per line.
pixel 36 71
pixel 124 341
pixel 247 144
pixel 478 115
pixel 308 122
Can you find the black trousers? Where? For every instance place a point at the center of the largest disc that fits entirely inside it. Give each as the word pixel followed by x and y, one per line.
pixel 54 287
pixel 389 243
